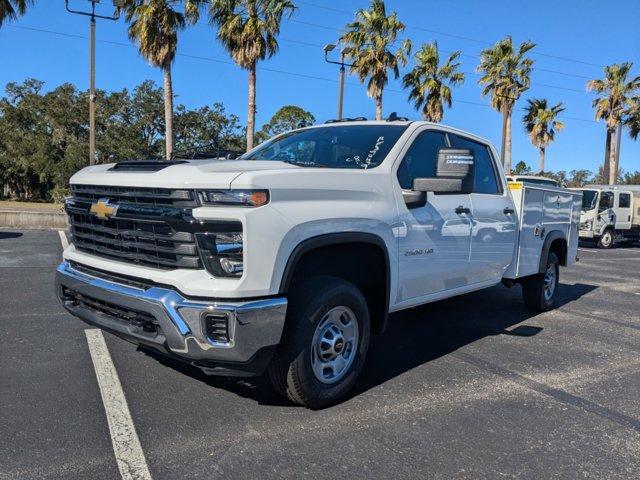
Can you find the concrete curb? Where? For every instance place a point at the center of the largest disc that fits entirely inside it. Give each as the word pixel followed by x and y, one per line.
pixel 33 219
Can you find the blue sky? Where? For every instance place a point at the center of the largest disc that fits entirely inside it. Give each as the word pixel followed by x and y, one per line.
pixel 575 39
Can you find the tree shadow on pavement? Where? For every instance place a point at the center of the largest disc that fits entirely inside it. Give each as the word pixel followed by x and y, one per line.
pixel 413 338
pixel 4 235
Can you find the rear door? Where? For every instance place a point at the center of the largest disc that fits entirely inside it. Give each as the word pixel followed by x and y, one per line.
pixel 434 238
pixel 623 210
pixel 493 232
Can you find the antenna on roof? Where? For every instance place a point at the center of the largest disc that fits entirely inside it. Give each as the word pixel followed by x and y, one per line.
pixel 393 117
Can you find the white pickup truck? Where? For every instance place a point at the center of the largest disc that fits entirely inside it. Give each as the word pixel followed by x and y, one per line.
pixel 288 258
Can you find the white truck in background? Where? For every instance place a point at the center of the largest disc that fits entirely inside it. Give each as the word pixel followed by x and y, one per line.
pixel 288 258
pixel 610 214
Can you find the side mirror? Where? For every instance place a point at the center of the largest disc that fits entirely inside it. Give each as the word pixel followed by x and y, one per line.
pixel 454 173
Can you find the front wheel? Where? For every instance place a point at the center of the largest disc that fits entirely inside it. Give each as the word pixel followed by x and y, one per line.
pixel 539 291
pixel 324 344
pixel 606 240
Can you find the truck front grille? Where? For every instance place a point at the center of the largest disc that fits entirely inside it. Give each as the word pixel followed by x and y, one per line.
pixel 157 197
pixel 149 242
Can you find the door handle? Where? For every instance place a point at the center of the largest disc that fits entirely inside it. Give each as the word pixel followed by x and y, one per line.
pixel 508 211
pixel 460 210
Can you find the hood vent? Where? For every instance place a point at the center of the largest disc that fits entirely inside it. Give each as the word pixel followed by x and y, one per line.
pixel 144 166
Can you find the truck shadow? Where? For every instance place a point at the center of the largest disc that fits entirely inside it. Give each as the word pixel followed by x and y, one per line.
pixel 417 336
pixel 413 338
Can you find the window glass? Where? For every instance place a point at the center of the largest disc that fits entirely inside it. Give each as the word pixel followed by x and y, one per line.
pixel 589 198
pixel 624 201
pixel 606 200
pixel 421 158
pixel 331 146
pixel 485 175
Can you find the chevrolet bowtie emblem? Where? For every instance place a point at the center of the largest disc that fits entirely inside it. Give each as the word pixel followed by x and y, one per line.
pixel 103 209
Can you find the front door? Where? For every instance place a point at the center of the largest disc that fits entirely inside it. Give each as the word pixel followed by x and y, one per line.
pixel 493 233
pixel 606 216
pixel 434 239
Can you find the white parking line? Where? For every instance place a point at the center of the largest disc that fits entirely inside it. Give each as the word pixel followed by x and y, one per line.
pixel 63 239
pixel 126 445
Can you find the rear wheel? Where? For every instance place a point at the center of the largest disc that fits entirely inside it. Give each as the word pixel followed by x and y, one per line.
pixel 324 344
pixel 606 240
pixel 539 291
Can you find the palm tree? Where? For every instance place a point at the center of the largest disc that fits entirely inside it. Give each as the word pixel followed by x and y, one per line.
pixel 614 93
pixel 12 9
pixel 248 29
pixel 632 117
pixel 154 26
pixel 372 37
pixel 541 123
pixel 429 81
pixel 505 75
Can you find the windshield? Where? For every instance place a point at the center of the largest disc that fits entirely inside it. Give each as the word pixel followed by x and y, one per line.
pixel 348 146
pixel 589 199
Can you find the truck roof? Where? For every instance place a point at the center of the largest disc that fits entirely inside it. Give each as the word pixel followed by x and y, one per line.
pixel 532 177
pixel 630 188
pixel 403 122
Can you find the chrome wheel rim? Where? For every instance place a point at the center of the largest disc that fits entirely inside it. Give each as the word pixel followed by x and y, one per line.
pixel 334 345
pixel 550 282
pixel 606 239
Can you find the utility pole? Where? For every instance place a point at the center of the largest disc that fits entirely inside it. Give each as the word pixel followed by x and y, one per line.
pixel 343 55
pixel 92 66
pixel 92 86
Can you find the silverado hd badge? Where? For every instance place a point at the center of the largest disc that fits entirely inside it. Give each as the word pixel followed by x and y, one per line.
pixel 104 209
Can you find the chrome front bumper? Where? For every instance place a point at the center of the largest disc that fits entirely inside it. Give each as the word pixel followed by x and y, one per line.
pixel 254 326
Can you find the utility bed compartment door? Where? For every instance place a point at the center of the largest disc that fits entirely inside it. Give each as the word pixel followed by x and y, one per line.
pixel 542 210
pixel 530 244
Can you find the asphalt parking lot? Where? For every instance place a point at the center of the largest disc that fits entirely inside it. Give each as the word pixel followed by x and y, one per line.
pixel 472 387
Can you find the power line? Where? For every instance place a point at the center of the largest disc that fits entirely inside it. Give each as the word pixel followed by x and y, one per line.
pixel 451 35
pixel 449 52
pixel 470 73
pixel 265 69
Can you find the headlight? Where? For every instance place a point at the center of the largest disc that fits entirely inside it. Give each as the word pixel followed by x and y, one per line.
pixel 222 252
pixel 586 225
pixel 238 198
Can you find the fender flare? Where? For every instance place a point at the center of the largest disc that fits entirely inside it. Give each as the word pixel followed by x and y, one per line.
pixel 546 246
pixel 336 239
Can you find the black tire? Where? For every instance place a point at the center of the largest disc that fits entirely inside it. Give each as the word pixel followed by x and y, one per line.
pixel 291 370
pixel 534 292
pixel 606 240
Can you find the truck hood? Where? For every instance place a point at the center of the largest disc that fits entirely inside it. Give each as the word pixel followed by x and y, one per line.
pixel 191 174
